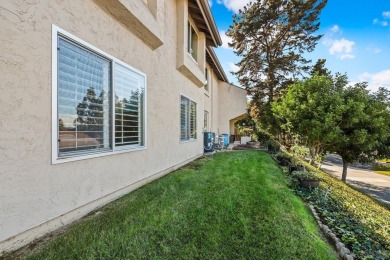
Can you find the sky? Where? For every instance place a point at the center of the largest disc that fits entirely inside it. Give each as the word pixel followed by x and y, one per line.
pixel 356 39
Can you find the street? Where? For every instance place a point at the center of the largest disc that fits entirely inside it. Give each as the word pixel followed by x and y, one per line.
pixel 361 177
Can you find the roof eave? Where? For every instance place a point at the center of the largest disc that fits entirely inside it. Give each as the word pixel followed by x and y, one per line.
pixel 217 64
pixel 210 21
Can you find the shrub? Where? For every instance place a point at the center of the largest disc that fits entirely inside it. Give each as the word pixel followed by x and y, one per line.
pixel 283 158
pixel 300 151
pixel 306 176
pixel 273 146
pixel 261 135
pixel 381 166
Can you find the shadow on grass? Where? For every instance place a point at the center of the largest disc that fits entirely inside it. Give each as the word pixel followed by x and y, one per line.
pixel 231 206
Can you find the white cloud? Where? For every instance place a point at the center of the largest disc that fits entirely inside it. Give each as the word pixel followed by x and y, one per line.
pixel 335 28
pixel 342 48
pixel 225 39
pixel 210 3
pixel 375 50
pixel 234 5
pixel 376 80
pixel 386 15
pixel 233 67
pixel 346 56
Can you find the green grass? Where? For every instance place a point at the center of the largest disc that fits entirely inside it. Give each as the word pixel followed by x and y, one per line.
pixel 383 172
pixel 229 206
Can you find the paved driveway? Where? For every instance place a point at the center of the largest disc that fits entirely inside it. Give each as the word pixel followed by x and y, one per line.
pixel 360 176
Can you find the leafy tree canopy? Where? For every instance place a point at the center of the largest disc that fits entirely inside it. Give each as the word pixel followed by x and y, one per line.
pixel 336 117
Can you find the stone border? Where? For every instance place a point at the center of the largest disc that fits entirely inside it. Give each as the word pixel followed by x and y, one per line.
pixel 341 249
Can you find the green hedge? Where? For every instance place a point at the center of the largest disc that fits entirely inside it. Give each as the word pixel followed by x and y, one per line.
pixel 360 222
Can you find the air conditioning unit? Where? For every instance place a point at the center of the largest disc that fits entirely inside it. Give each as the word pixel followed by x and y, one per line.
pixel 208 142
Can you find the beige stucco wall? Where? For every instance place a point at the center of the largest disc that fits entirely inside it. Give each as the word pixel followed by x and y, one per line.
pixel 37 196
pixel 214 103
pixel 32 190
pixel 231 104
pixel 207 97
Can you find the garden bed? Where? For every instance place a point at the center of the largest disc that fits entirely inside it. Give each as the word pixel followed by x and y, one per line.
pixel 360 222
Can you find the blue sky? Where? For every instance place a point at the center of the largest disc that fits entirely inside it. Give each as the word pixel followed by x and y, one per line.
pixel 356 38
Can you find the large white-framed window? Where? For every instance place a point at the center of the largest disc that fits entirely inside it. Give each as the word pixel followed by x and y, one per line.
pixel 98 101
pixel 187 119
pixel 192 47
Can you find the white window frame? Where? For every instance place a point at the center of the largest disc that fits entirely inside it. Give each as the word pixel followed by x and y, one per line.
pixel 207 76
pixel 190 50
pixel 56 159
pixel 189 120
pixel 206 121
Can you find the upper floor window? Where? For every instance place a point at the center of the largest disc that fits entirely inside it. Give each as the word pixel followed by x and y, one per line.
pixel 99 101
pixel 206 85
pixel 187 119
pixel 192 42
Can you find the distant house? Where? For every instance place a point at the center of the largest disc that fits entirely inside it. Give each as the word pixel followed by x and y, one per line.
pixel 99 98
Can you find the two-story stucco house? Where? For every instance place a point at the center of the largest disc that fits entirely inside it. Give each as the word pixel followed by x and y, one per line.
pixel 99 97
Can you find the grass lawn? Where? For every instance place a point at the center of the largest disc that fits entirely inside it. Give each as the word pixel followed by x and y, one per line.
pixel 230 206
pixel 383 172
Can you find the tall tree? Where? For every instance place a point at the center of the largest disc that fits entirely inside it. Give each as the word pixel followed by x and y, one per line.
pixel 319 69
pixel 335 117
pixel 271 37
pixel 311 109
pixel 365 126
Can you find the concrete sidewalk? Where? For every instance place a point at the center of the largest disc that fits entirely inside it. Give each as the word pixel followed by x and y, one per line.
pixel 374 184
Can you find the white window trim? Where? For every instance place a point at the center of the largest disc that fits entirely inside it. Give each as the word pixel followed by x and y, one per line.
pixel 121 149
pixel 190 139
pixel 189 38
pixel 206 119
pixel 207 77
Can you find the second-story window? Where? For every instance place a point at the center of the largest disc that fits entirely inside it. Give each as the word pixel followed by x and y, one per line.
pixel 192 42
pixel 206 85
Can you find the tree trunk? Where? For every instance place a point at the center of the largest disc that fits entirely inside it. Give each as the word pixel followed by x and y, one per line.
pixel 345 167
pixel 311 162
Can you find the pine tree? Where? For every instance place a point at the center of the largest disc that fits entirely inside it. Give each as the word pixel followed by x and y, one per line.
pixel 271 37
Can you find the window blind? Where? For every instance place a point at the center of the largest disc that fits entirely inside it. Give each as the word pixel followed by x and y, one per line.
pixel 184 118
pixel 192 120
pixel 187 119
pixel 128 107
pixel 83 99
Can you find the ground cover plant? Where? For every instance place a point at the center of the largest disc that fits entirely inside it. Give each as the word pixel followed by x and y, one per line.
pixel 360 222
pixel 233 205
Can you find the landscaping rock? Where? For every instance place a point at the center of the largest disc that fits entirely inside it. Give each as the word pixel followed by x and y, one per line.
pixel 326 229
pixel 348 257
pixel 342 251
